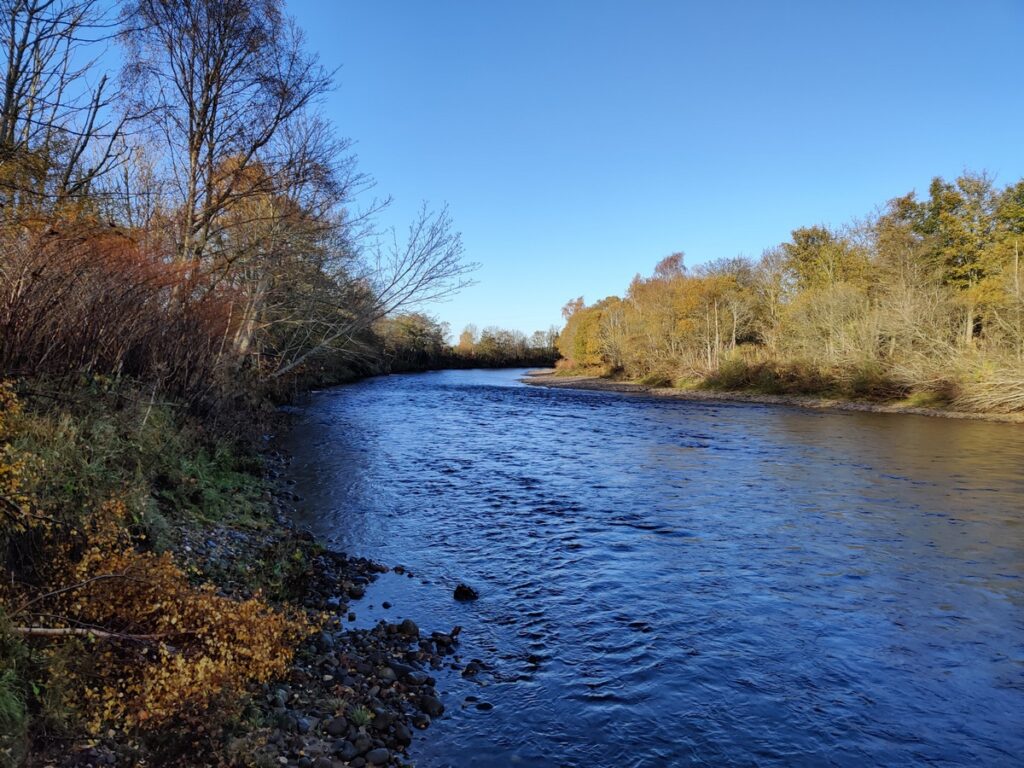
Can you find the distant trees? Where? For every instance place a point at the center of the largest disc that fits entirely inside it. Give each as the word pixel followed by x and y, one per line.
pixel 924 296
pixel 415 341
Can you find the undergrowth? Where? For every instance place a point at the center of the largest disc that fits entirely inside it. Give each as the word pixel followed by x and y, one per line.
pixel 102 628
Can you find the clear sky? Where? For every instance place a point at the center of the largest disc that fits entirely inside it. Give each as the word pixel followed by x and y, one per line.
pixel 578 142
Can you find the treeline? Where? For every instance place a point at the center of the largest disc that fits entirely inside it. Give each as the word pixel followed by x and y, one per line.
pixel 923 299
pixel 417 342
pixel 179 239
pixel 189 220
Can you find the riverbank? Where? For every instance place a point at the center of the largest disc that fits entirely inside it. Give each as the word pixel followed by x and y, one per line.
pixel 549 378
pixel 162 608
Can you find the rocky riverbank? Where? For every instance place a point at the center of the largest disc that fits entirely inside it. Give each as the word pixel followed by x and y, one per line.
pixel 548 378
pixel 354 697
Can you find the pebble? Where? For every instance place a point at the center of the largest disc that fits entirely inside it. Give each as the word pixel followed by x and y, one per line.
pixel 402 734
pixel 337 726
pixel 346 750
pixel 362 743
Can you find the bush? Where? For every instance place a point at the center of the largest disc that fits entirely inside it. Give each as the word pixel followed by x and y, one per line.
pixel 101 303
pixel 156 650
pixel 996 390
pixel 657 379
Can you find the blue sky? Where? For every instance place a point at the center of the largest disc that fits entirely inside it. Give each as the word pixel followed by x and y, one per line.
pixel 578 142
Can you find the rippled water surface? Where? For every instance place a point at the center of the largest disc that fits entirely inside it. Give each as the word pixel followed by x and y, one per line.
pixel 674 583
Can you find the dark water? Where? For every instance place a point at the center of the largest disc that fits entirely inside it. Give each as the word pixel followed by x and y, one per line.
pixel 672 583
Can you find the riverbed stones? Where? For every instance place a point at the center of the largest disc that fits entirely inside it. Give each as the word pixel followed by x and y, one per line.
pixel 341 669
pixel 409 629
pixel 464 593
pixel 431 705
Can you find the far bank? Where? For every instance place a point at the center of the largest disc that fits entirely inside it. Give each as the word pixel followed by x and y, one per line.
pixel 547 377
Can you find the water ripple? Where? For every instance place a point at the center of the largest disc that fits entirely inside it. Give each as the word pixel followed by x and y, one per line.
pixel 670 583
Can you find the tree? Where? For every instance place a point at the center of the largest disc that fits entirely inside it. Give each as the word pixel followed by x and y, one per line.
pixel 467 339
pixel 819 257
pixel 57 133
pixel 220 82
pixel 670 267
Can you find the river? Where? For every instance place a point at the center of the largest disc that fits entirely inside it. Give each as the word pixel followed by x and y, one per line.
pixel 672 583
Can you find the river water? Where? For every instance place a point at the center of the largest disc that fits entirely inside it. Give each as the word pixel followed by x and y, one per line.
pixel 673 583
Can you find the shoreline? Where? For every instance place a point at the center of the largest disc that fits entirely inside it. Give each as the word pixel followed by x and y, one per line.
pixel 547 377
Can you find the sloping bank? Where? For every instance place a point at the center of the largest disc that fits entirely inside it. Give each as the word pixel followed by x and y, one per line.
pixel 549 378
pixel 158 607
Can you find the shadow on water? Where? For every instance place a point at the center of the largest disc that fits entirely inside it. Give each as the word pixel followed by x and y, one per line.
pixel 667 583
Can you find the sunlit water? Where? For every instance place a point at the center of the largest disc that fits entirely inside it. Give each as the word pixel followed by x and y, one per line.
pixel 671 583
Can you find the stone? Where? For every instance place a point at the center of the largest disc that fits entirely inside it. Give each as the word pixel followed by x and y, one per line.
pixel 403 735
pixel 337 726
pixel 464 592
pixel 378 756
pixel 431 705
pixel 408 628
pixel 346 750
pixel 415 677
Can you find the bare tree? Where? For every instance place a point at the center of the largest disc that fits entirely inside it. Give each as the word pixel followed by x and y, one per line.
pixel 57 133
pixel 390 278
pixel 220 82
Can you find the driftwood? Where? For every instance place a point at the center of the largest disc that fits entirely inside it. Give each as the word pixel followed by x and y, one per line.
pixel 81 632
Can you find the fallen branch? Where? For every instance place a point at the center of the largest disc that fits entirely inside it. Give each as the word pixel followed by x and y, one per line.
pixel 82 632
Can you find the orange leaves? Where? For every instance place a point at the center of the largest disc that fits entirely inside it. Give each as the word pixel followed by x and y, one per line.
pixel 163 650
pixel 184 647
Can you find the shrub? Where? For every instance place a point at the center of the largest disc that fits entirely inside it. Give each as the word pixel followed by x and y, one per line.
pixel 91 301
pixel 156 650
pixel 997 390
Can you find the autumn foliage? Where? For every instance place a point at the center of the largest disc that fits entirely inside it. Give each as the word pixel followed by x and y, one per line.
pixel 162 650
pixel 923 299
pixel 86 301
